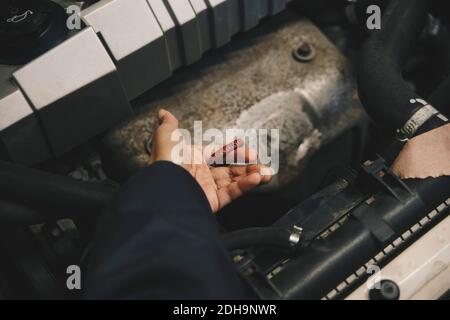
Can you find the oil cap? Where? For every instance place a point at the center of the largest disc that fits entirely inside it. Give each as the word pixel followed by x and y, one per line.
pixel 28 28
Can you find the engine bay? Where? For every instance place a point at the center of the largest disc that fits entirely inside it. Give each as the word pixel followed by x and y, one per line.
pixel 77 117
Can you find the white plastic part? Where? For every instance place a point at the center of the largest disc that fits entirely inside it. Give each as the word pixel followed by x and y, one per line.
pixel 135 40
pixel 422 271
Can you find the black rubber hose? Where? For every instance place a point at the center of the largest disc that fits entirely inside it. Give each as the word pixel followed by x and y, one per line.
pixel 360 10
pixel 442 40
pixel 257 237
pixel 440 98
pixel 13 213
pixel 382 89
pixel 53 194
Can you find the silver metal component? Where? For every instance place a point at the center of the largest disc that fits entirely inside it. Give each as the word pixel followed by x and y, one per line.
pixel 416 122
pixel 21 138
pixel 442 117
pixel 135 40
pixel 296 235
pixel 255 83
pixel 305 52
pixel 75 89
pixel 185 19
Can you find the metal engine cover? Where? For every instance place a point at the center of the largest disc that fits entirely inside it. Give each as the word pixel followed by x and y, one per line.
pixel 254 82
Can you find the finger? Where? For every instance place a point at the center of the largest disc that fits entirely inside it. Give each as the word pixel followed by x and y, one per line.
pixel 267 174
pixel 223 176
pixel 167 120
pixel 236 189
pixel 237 172
pixel 163 139
pixel 168 123
pixel 240 170
pixel 249 182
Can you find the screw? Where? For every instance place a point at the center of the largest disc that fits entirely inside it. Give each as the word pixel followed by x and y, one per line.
pixel 305 52
pixel 388 290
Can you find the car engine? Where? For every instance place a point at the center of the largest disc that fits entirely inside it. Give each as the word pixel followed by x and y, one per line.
pixel 346 83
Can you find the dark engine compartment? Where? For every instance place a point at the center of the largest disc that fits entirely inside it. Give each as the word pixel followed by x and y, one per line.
pixel 342 96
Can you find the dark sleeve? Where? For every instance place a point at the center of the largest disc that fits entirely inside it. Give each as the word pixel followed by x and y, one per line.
pixel 160 240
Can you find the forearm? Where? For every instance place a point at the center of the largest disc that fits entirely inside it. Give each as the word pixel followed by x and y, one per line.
pixel 159 239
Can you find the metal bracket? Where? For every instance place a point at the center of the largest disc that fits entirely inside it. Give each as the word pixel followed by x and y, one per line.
pixel 416 122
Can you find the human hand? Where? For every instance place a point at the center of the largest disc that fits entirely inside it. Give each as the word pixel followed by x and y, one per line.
pixel 221 185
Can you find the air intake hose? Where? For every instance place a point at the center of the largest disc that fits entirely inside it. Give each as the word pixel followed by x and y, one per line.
pixel 387 97
pixel 59 196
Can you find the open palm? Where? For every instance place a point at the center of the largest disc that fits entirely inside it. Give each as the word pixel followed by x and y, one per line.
pixel 221 185
pixel 225 184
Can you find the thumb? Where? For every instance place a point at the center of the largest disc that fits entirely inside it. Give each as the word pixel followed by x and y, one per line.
pixel 167 121
pixel 162 142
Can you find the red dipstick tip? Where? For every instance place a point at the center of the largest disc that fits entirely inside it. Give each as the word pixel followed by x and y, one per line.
pixel 222 153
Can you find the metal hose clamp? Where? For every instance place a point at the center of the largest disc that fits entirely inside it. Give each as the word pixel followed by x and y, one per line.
pixel 296 235
pixel 416 121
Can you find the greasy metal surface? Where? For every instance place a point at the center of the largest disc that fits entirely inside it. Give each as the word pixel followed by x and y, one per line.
pixel 254 83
